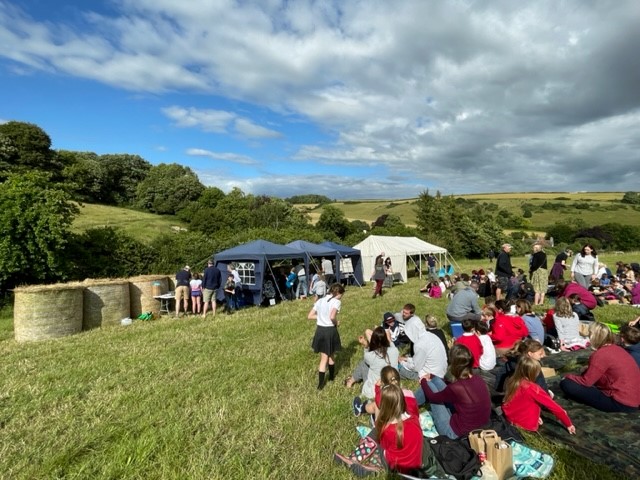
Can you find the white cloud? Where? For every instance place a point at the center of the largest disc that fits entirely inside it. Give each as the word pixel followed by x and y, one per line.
pixel 206 120
pixel 226 157
pixel 249 129
pixel 462 95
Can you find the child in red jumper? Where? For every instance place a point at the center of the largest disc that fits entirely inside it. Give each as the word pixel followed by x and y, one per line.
pixel 524 397
pixel 507 329
pixel 399 438
pixel 471 341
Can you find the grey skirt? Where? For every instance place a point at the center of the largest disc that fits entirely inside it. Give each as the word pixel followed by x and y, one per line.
pixel 326 340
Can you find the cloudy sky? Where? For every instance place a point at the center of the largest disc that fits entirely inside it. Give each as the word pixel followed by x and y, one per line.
pixel 346 98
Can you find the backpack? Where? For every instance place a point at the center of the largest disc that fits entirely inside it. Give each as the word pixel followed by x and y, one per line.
pixel 551 342
pixel 455 456
pixel 145 316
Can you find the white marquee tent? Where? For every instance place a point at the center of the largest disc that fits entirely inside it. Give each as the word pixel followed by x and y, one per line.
pixel 401 250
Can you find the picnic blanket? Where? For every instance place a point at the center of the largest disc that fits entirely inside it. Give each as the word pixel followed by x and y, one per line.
pixel 611 439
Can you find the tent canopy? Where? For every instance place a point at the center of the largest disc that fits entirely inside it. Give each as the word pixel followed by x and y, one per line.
pixel 344 254
pixel 253 261
pixel 398 249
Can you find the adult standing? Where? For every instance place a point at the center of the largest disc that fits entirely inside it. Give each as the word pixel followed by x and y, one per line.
pixel 538 274
pixel 327 269
pixel 560 265
pixel 211 281
pixel 432 263
pixel 585 266
pixel 183 277
pixel 302 288
pixel 326 340
pixel 378 275
pixel 504 270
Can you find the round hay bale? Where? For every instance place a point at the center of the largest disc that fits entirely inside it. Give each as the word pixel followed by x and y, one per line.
pixel 106 302
pixel 47 311
pixel 172 283
pixel 141 294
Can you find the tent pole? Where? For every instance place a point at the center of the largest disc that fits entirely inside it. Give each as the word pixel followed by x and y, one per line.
pixel 353 273
pixel 275 280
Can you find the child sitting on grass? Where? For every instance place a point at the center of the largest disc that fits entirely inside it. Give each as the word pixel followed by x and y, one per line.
pixel 567 325
pixel 524 397
pixel 396 441
pixel 388 376
pixel 580 308
pixel 471 341
pixel 431 323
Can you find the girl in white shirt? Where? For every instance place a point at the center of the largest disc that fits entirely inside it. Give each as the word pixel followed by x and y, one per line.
pixel 326 340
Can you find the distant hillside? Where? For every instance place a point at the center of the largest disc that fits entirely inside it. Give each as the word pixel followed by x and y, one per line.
pixel 139 225
pixel 546 208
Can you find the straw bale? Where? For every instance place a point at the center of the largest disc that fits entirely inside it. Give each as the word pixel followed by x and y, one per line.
pixel 106 302
pixel 141 294
pixel 172 283
pixel 47 311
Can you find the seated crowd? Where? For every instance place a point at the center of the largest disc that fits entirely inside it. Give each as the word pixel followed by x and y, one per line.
pixel 495 360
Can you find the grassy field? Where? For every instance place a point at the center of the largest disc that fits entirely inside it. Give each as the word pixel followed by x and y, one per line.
pixel 139 225
pixel 594 208
pixel 230 397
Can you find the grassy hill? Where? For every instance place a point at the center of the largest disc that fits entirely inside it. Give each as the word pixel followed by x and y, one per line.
pixel 140 225
pixel 594 208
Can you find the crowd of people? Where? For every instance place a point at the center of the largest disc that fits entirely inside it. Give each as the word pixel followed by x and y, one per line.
pixel 200 293
pixel 494 360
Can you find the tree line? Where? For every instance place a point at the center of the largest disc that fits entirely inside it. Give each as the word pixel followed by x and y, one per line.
pixel 40 188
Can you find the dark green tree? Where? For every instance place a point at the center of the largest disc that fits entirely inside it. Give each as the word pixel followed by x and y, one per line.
pixel 632 198
pixel 333 223
pixel 122 173
pixel 108 252
pixel 25 147
pixel 35 218
pixel 83 175
pixel 168 188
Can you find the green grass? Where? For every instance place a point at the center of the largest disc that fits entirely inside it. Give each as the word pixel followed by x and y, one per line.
pixel 140 225
pixel 604 207
pixel 232 397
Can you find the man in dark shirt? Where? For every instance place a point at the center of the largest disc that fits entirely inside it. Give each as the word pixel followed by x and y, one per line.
pixel 182 289
pixel 504 270
pixel 211 281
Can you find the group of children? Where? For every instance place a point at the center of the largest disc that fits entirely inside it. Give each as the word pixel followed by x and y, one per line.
pixel 476 369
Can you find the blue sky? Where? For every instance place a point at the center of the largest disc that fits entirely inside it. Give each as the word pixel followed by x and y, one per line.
pixel 350 99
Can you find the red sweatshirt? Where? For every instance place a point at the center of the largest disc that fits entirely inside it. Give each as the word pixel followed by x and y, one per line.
pixel 409 399
pixel 409 455
pixel 523 410
pixel 473 343
pixel 507 330
pixel 586 297
pixel 615 373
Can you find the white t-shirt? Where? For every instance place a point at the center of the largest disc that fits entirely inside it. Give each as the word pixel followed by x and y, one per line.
pixel 323 308
pixel 488 357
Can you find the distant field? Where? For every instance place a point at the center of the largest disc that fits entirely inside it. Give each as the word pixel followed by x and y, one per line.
pixel 139 225
pixel 601 196
pixel 594 208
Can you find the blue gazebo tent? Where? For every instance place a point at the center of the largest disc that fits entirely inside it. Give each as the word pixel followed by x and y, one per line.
pixel 252 263
pixel 312 251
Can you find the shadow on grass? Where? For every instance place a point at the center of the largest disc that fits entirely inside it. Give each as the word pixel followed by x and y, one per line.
pixel 344 357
